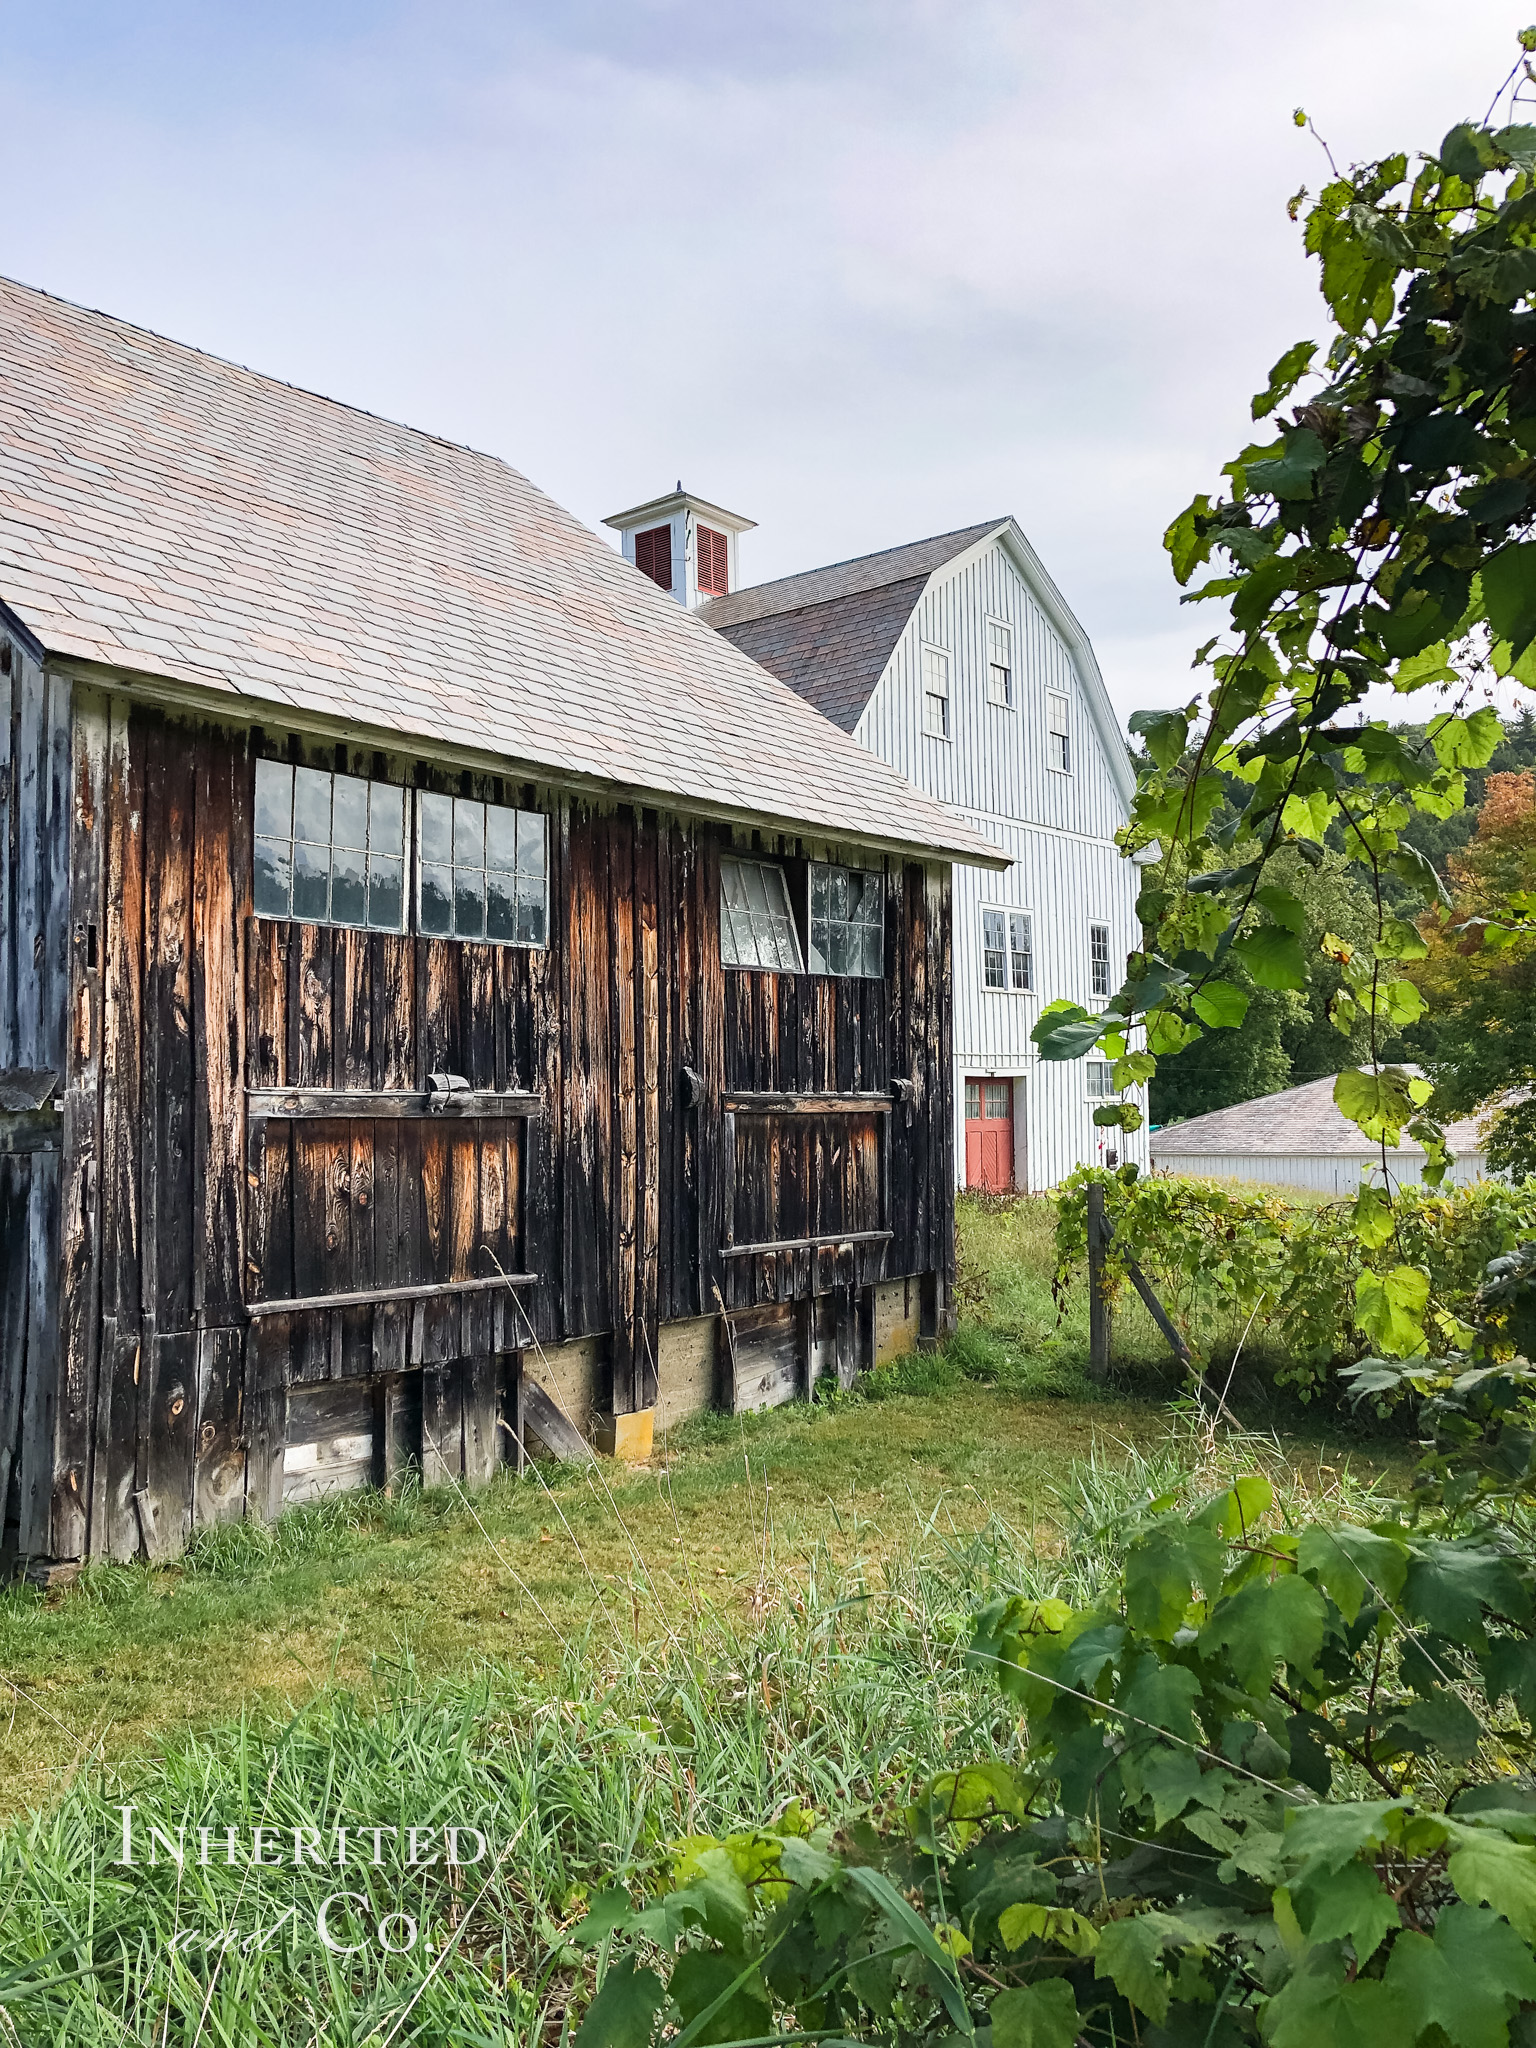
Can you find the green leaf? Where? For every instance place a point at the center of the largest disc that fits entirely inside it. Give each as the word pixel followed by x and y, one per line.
pixel 1450 1584
pixel 1468 1979
pixel 706 1978
pixel 1264 1624
pixel 1284 378
pixel 623 2014
pixel 1163 1694
pixel 1187 547
pixel 1510 1667
pixel 1352 1565
pixel 1065 1031
pixel 1162 1569
pixel 1273 956
pixel 1380 1103
pixel 1283 907
pixel 1509 591
pixel 1031 1921
pixel 1490 1870
pixel 1326 1837
pixel 1289 474
pixel 1389 1307
pixel 1372 1220
pixel 1165 733
pixel 1402 1003
pixel 1128 1954
pixel 1220 1004
pixel 1319 2008
pixel 1346 1904
pixel 1042 2015
pixel 1309 816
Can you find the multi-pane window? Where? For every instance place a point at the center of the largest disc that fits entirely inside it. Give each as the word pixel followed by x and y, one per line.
pixel 757 926
pixel 1099 1082
pixel 994 949
pixel 713 551
pixel 1021 950
pixel 1058 731
pixel 972 1101
pixel 653 554
pixel 483 869
pixel 1000 663
pixel 1007 950
pixel 1098 958
pixel 847 921
pixel 330 849
pixel 991 1096
pixel 936 693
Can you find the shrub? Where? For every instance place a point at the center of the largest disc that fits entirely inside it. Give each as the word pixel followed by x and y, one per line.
pixel 1241 1267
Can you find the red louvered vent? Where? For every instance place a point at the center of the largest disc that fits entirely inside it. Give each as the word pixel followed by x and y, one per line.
pixel 714 575
pixel 653 555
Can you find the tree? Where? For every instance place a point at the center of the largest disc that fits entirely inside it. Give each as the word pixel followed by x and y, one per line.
pixel 1478 1037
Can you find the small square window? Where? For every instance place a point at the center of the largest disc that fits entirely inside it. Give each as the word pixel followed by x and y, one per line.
pixel 757 927
pixel 1000 664
pixel 847 921
pixel 1058 730
pixel 1098 1082
pixel 1098 958
pixel 994 949
pixel 936 693
pixel 330 849
pixel 482 873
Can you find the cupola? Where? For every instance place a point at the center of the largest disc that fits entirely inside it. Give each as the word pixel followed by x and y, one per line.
pixel 684 544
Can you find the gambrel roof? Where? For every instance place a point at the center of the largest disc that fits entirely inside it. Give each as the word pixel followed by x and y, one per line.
pixel 830 633
pixel 184 521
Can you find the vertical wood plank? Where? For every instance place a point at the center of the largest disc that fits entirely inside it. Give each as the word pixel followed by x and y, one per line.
pixel 15 1290
pixel 624 1141
pixel 80 1247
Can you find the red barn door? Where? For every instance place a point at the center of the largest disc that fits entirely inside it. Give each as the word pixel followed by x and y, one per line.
pixel 989 1136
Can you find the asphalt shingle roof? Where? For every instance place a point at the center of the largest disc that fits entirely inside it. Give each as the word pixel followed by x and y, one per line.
pixel 176 516
pixel 1298 1121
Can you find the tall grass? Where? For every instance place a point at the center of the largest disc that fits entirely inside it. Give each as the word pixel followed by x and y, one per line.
pixel 841 1685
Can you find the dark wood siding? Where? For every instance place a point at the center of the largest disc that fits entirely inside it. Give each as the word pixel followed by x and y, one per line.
pixel 250 1123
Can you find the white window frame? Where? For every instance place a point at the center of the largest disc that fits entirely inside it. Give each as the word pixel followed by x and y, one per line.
pixel 779 918
pixel 943 698
pixel 1005 695
pixel 281 846
pixel 997 910
pixel 1093 1069
pixel 1099 924
pixel 1027 986
pixel 1063 732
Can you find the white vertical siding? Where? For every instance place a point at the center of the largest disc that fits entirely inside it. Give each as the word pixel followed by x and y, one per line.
pixel 1325 1173
pixel 1067 872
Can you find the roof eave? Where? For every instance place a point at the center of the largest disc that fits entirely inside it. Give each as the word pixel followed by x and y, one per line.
pixel 234 706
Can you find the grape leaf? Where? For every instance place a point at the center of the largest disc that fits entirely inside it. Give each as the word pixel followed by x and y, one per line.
pixel 1319 2009
pixel 1509 591
pixel 1265 1623
pixel 1349 1903
pixel 1468 1979
pixel 1221 1004
pixel 1042 2015
pixel 1273 956
pixel 1162 1568
pixel 1488 1869
pixel 1389 1307
pixel 703 1979
pixel 1352 1564
pixel 1128 1954
pixel 623 2014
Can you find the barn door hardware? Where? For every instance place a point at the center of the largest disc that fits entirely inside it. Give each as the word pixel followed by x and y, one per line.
pixel 442 1088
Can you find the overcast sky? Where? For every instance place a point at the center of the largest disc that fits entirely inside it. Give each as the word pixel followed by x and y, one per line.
pixel 861 270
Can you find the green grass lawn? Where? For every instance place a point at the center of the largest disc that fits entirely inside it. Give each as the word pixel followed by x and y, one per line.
pixel 585 1662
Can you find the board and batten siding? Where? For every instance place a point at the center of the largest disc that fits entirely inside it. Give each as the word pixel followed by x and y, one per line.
pixel 1325 1173
pixel 1058 829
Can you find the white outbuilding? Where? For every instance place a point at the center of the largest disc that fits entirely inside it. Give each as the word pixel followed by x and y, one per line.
pixel 1300 1139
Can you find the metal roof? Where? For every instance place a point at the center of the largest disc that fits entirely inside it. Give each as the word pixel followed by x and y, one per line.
pixel 1298 1122
pixel 183 520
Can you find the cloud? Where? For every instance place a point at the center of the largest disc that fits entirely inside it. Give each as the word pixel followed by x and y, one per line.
pixel 863 271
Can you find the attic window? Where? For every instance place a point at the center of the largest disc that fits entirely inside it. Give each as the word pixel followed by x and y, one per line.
pixel 330 849
pixel 1058 751
pixel 757 927
pixel 1000 664
pixel 483 871
pixel 847 922
pixel 714 571
pixel 653 555
pixel 936 693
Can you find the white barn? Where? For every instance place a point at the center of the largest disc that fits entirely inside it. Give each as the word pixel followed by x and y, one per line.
pixel 1300 1139
pixel 957 660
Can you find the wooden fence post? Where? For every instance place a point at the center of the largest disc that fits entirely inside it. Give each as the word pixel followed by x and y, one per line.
pixel 1098 1300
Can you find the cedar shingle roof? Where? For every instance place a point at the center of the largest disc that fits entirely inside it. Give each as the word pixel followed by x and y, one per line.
pixel 1300 1121
pixel 832 654
pixel 176 516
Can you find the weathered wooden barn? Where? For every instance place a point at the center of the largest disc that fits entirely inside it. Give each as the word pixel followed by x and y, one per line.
pixel 436 968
